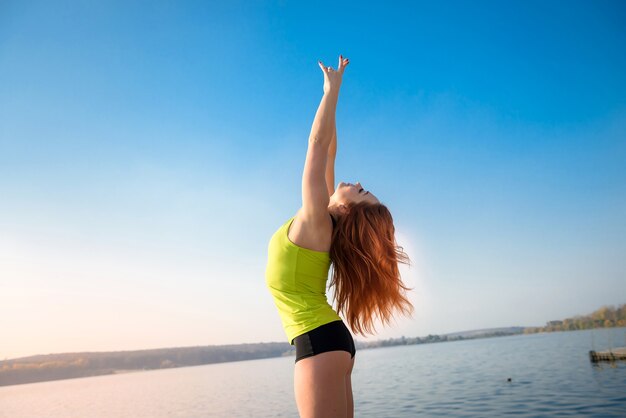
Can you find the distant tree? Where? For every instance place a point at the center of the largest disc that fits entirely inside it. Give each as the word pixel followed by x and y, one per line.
pixel 605 317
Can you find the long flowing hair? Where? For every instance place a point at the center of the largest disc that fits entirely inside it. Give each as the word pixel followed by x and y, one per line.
pixel 365 258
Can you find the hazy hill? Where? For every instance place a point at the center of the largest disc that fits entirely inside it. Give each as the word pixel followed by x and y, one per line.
pixel 69 365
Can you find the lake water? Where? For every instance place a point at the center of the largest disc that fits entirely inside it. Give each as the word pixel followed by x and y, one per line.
pixel 551 375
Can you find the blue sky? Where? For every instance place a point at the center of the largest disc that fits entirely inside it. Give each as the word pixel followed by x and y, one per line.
pixel 149 150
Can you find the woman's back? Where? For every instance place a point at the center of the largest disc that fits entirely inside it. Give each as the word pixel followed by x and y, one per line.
pixel 296 277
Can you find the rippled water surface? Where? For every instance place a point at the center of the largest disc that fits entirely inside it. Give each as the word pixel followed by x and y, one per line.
pixel 550 376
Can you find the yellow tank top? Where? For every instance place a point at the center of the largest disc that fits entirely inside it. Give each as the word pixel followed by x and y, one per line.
pixel 296 277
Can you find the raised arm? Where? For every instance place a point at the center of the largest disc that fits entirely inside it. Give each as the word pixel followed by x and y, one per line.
pixel 330 164
pixel 315 187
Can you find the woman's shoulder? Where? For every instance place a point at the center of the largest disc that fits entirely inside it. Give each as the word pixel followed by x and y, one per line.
pixel 311 232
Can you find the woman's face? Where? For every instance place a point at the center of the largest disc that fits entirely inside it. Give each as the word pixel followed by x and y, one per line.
pixel 353 193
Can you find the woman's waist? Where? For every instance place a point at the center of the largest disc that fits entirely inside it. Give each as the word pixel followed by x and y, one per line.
pixel 300 311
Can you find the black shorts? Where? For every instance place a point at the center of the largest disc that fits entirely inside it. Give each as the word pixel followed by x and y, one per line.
pixel 328 337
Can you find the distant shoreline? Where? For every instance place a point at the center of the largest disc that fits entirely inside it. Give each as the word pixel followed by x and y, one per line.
pixel 41 368
pixel 48 367
pixel 64 366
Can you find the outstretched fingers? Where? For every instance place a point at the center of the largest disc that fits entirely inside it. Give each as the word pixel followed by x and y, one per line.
pixel 343 63
pixel 323 67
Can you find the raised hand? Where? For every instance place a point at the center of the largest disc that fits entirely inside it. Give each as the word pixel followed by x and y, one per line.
pixel 332 78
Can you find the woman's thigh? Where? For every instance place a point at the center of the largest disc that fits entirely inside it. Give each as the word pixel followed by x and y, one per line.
pixel 320 384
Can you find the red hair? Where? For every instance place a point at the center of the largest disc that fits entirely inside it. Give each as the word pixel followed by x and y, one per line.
pixel 365 258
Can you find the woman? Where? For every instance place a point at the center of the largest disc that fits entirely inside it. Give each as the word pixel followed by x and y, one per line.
pixel 349 227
